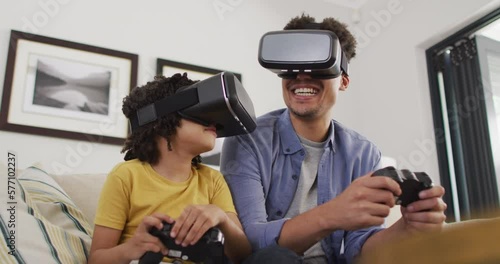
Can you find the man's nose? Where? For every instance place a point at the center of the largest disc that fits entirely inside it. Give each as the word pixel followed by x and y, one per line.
pixel 303 76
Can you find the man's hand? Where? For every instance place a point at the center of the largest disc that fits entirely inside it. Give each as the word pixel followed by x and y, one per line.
pixel 195 221
pixel 366 202
pixel 143 241
pixel 426 214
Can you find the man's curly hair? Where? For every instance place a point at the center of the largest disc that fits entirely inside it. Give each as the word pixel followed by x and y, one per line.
pixel 347 40
pixel 141 143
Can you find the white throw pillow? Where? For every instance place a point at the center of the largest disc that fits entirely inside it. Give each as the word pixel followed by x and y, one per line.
pixel 84 190
pixel 45 226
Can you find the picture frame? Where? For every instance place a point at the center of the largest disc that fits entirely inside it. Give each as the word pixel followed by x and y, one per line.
pixel 65 89
pixel 168 68
pixel 194 72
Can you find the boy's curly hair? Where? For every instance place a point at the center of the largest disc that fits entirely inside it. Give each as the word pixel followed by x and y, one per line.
pixel 347 40
pixel 142 143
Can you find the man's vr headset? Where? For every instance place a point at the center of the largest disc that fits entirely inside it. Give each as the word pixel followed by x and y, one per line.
pixel 312 51
pixel 219 100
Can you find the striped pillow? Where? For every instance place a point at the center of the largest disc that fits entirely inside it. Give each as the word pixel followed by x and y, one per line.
pixel 49 228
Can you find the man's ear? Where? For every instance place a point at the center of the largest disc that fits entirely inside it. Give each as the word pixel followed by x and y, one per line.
pixel 345 82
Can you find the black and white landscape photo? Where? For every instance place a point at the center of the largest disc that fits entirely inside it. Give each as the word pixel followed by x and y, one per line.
pixel 71 86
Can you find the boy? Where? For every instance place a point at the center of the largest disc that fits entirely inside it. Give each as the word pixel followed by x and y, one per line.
pixel 163 180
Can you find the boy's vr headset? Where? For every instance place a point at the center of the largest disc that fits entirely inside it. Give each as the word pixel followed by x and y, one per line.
pixel 312 51
pixel 219 100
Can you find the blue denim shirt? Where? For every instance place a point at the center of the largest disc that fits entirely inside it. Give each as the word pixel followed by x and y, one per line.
pixel 262 171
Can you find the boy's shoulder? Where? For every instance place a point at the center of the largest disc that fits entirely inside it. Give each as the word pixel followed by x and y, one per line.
pixel 207 169
pixel 127 167
pixel 209 172
pixel 127 164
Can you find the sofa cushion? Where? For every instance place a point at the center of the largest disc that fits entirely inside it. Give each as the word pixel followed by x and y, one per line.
pixel 84 190
pixel 44 225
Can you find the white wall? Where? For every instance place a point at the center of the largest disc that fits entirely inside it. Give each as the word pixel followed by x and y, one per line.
pixel 388 100
pixel 390 88
pixel 189 31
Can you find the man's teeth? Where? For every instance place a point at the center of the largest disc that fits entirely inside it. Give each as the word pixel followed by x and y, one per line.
pixel 305 91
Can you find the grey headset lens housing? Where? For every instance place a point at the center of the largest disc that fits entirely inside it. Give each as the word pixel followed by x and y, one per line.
pixel 289 52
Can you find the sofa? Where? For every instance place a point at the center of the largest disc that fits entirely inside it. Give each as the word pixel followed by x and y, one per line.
pixel 49 218
pixel 52 216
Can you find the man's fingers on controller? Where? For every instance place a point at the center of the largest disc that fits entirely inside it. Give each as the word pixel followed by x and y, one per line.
pixel 389 184
pixel 388 199
pixel 427 205
pixel 436 191
pixel 381 196
pixel 378 210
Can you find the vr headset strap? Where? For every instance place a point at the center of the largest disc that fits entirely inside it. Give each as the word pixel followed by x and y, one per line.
pixel 344 65
pixel 312 25
pixel 165 106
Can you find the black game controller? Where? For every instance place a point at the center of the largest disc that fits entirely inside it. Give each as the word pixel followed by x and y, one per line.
pixel 209 249
pixel 411 183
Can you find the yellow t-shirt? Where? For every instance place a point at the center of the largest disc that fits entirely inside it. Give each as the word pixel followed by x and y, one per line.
pixel 134 190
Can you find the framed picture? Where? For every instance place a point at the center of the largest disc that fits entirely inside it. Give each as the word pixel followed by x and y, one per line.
pixel 65 89
pixel 168 68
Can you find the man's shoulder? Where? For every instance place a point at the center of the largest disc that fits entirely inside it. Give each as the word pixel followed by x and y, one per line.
pixel 263 139
pixel 350 137
pixel 356 150
pixel 266 126
pixel 270 119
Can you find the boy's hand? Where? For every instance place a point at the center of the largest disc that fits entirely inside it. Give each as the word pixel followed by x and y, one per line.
pixel 143 241
pixel 194 221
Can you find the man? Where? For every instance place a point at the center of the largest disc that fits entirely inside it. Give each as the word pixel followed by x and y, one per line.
pixel 302 181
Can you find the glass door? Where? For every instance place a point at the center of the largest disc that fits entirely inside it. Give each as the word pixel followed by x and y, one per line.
pixel 489 61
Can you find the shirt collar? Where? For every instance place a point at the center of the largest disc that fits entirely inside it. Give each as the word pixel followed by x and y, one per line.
pixel 290 142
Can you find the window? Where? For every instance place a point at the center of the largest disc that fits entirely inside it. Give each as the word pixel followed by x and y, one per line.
pixel 464 78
